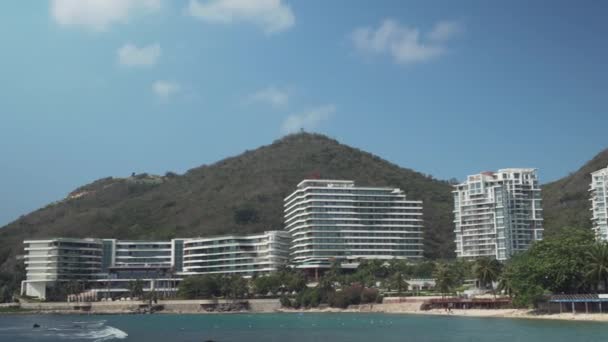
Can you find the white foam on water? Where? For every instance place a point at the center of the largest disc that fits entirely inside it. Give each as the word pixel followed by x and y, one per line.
pixel 110 333
pixel 13 328
pixel 97 334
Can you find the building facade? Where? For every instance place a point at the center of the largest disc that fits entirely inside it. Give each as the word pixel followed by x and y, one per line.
pixel 245 255
pixel 336 220
pixel 599 198
pixel 109 265
pixel 497 214
pixel 59 260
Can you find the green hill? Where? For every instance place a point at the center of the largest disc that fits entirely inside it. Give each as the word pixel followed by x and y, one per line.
pixel 239 194
pixel 245 194
pixel 566 201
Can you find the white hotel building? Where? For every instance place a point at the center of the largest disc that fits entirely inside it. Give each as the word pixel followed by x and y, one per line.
pixel 599 203
pixel 245 255
pixel 497 214
pixel 336 220
pixel 108 265
pixel 59 260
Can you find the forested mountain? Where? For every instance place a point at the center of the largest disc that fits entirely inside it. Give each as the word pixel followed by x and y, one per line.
pixel 566 201
pixel 244 194
pixel 239 194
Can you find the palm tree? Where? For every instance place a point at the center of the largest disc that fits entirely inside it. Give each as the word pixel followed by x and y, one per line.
pixel 398 282
pixel 444 279
pixel 597 266
pixel 505 282
pixel 136 288
pixel 334 273
pixel 487 271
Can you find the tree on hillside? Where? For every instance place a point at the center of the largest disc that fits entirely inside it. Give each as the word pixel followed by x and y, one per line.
pixel 487 271
pixel 597 267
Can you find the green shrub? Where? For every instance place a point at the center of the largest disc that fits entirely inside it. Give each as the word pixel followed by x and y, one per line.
pixel 309 298
pixel 285 302
pixel 369 295
pixel 199 287
pixel 339 300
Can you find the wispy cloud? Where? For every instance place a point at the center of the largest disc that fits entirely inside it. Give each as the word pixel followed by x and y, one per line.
pixel 307 120
pixel 98 15
pixel 273 16
pixel 164 89
pixel 445 30
pixel 405 44
pixel 133 56
pixel 272 96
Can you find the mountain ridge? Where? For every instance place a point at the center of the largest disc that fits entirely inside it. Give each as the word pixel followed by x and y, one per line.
pixel 244 194
pixel 566 200
pixel 238 194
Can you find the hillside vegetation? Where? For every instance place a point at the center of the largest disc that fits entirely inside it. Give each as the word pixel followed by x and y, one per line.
pixel 241 194
pixel 244 194
pixel 566 201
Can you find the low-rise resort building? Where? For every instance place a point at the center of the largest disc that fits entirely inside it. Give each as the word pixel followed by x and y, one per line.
pixel 325 221
pixel 106 267
pixel 245 255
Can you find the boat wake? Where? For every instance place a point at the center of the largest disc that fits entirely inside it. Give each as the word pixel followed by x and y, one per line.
pixel 83 331
pixel 106 333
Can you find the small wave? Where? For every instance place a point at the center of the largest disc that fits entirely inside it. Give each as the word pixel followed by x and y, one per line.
pixel 13 328
pixel 103 321
pixel 110 333
pixel 104 334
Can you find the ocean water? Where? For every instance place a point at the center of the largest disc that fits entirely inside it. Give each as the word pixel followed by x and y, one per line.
pixel 295 327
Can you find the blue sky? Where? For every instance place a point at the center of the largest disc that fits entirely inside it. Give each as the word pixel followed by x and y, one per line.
pixel 96 88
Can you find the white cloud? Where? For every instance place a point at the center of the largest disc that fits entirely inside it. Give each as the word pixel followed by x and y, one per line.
pixel 133 56
pixel 271 95
pixel 403 43
pixel 307 120
pixel 164 89
pixel 272 16
pixel 445 30
pixel 98 15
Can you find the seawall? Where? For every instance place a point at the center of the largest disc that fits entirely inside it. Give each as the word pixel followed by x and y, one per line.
pixel 162 306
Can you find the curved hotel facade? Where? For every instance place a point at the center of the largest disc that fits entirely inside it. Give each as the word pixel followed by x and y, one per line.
pixel 324 220
pixel 108 265
pixel 245 255
pixel 59 260
pixel 336 220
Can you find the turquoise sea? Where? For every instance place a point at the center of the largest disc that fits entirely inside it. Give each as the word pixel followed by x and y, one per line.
pixel 292 328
